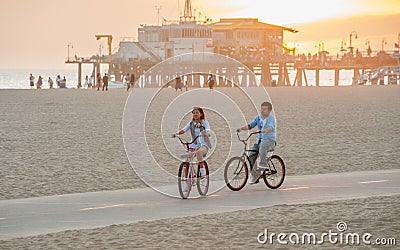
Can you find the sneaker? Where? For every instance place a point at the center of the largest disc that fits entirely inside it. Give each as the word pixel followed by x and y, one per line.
pixel 203 172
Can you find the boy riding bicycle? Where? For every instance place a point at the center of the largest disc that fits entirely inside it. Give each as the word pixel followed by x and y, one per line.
pixel 266 141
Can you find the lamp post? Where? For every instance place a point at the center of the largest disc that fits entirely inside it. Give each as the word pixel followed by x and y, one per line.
pixel 398 43
pixel 69 45
pixel 342 49
pixel 100 55
pixel 383 44
pixel 342 44
pixel 369 51
pixel 355 37
pixel 320 46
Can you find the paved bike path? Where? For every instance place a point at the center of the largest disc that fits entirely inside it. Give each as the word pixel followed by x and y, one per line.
pixel 34 216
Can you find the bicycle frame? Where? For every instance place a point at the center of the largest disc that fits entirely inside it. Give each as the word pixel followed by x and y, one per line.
pixel 189 173
pixel 247 152
pixel 191 155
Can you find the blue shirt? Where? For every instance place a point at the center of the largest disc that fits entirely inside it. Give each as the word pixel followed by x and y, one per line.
pixel 270 122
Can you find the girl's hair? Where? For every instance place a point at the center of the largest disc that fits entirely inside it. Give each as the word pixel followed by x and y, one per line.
pixel 202 114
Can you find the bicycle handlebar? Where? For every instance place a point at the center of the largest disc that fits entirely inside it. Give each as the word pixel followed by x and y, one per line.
pixel 245 140
pixel 186 143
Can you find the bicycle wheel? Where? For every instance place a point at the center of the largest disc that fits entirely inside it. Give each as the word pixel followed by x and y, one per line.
pixel 203 181
pixel 236 173
pixel 184 180
pixel 275 173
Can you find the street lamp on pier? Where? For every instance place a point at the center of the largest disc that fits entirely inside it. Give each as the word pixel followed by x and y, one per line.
pixel 369 51
pixel 342 44
pixel 383 44
pixel 69 45
pixel 398 43
pixel 100 55
pixel 320 46
pixel 355 37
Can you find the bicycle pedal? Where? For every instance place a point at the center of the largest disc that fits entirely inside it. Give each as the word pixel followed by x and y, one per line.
pixel 254 182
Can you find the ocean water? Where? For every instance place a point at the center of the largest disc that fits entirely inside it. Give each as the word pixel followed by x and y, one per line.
pixel 19 78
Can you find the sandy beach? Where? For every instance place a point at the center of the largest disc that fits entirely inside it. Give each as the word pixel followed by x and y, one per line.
pixel 236 230
pixel 70 141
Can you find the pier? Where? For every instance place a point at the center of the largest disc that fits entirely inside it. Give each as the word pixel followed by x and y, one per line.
pixel 258 46
pixel 266 71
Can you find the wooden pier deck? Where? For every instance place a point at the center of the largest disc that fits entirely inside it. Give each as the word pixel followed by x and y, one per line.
pixel 266 69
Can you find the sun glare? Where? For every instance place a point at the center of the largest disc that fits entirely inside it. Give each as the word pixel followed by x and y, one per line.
pixel 286 12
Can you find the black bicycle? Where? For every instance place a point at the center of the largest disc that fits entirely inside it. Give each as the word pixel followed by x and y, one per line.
pixel 237 172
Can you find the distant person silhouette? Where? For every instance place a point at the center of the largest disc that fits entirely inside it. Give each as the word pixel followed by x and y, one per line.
pixel 63 83
pixel 31 81
pixel 131 82
pixel 86 84
pixel 91 85
pixel 105 82
pixel 98 79
pixel 178 83
pixel 50 81
pixel 39 82
pixel 211 82
pixel 58 81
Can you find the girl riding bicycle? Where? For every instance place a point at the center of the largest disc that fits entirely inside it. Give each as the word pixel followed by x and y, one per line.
pixel 198 126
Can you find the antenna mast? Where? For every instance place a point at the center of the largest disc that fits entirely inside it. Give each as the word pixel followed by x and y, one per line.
pixel 187 13
pixel 158 8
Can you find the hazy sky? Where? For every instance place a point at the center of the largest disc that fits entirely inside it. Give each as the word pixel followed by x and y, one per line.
pixel 35 33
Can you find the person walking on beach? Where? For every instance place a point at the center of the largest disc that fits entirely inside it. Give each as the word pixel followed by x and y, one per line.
pixel 90 85
pixel 31 81
pixel 266 141
pixel 50 81
pixel 198 126
pixel 63 83
pixel 131 82
pixel 58 81
pixel 39 82
pixel 127 81
pixel 105 82
pixel 98 79
pixel 86 84
pixel 211 82
pixel 178 83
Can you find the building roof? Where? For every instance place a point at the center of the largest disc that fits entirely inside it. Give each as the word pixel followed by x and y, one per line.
pixel 246 23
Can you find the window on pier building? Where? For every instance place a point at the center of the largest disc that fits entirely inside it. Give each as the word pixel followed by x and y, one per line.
pixel 247 34
pixel 196 33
